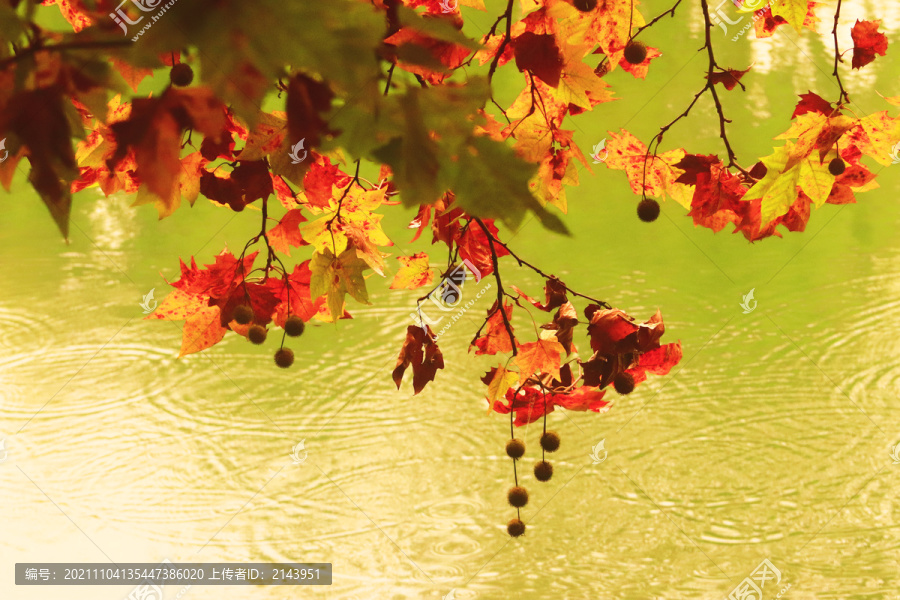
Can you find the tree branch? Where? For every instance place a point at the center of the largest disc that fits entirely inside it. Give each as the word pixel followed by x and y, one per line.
pixel 500 293
pixel 844 97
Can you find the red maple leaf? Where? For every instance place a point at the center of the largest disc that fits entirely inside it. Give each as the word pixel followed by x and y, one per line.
pixel 475 247
pixel 307 100
pixel 539 54
pixel 729 77
pixel 529 404
pixel 812 103
pixel 422 353
pixel 867 42
pixel 295 296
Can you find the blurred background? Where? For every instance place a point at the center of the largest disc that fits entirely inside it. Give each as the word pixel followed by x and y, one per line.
pixel 771 440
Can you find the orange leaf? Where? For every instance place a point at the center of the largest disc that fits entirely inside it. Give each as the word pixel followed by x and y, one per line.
pixel 202 330
pixel 542 356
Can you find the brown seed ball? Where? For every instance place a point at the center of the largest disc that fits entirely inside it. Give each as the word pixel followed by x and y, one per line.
pixel 515 527
pixel 635 52
pixel 257 334
pixel 836 167
pixel 585 5
pixel 648 210
pixel 550 441
pixel 243 314
pixel 543 471
pixel 517 496
pixel 284 357
pixel 181 75
pixel 624 383
pixel 294 326
pixel 515 448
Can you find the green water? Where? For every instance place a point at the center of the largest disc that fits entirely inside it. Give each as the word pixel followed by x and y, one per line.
pixel 771 440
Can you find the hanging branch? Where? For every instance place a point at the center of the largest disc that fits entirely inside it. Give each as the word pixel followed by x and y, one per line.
pixel 710 87
pixel 844 97
pixel 500 292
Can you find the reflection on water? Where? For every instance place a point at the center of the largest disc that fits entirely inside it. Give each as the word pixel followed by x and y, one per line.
pixel 771 439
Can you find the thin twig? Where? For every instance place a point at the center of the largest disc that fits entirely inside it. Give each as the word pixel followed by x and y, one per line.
pixel 63 47
pixel 844 97
pixel 524 263
pixel 500 293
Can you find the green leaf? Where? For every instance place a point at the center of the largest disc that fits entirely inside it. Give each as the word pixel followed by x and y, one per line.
pixel 490 181
pixel 438 29
pixel 337 277
pixel 413 156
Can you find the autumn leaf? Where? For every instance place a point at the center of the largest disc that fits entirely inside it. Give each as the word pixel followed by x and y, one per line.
pixel 335 277
pixel 287 232
pixel 660 175
pixel 266 137
pixel 414 272
pixel 792 11
pixel 539 54
pixel 554 294
pixel 38 119
pixel 728 78
pixel 421 352
pixel 153 131
pixel 812 102
pixel 202 330
pixel 295 298
pixel 498 380
pixel 867 42
pixel 495 337
pixel 528 404
pixel 307 101
pixel 542 356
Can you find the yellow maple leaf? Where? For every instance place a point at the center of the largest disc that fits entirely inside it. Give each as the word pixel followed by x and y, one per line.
pixel 499 384
pixel 414 272
pixel 815 180
pixel 792 11
pixel 337 276
pixel 202 330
